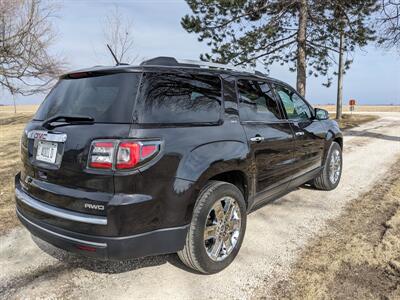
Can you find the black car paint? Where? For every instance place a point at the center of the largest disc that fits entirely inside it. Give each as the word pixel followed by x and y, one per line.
pixel 161 194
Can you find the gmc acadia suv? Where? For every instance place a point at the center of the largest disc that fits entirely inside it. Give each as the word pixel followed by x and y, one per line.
pixel 169 156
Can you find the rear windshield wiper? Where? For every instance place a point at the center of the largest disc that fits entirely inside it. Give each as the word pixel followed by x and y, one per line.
pixel 63 120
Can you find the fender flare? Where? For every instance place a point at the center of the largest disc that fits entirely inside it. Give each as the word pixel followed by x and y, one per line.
pixel 211 159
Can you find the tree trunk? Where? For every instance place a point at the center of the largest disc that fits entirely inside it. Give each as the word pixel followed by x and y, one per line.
pixel 301 49
pixel 339 99
pixel 15 104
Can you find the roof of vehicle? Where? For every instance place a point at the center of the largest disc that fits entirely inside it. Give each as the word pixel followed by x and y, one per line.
pixel 171 63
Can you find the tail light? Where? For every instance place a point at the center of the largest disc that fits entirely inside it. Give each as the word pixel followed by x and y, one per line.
pixel 128 153
pixel 102 155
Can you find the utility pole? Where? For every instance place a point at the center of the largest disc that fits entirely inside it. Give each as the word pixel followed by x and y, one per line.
pixel 339 99
pixel 14 101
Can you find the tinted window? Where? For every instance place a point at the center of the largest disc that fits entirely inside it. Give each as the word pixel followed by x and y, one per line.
pixel 107 98
pixel 295 107
pixel 179 98
pixel 257 102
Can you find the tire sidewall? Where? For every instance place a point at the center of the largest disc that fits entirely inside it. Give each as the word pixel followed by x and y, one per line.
pixel 205 262
pixel 334 146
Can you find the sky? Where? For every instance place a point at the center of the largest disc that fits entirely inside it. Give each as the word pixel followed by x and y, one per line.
pixel 374 77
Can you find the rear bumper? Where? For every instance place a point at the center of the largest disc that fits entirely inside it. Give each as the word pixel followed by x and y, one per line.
pixel 160 241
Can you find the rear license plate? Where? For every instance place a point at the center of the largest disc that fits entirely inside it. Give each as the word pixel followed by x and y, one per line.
pixel 47 152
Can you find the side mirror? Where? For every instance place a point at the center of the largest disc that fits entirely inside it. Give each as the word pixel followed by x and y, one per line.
pixel 321 114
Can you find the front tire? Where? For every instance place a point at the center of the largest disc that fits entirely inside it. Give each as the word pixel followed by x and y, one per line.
pixel 331 173
pixel 217 228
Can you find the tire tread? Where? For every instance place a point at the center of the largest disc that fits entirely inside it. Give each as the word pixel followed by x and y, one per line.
pixel 322 182
pixel 186 254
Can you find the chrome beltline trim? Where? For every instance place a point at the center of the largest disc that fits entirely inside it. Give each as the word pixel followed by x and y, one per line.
pixel 58 212
pixel 99 245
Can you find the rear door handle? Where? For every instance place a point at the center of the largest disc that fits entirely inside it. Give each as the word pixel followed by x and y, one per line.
pixel 299 133
pixel 257 139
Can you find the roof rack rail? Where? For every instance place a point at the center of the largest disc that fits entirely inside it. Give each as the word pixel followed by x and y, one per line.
pixel 205 64
pixel 171 61
pixel 259 73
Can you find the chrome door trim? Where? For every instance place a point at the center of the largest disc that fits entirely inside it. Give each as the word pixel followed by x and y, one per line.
pixel 257 139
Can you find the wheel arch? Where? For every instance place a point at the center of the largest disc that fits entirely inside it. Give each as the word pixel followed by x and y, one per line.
pixel 236 177
pixel 221 160
pixel 331 137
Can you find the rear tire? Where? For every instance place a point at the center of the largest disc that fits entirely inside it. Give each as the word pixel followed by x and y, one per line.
pixel 217 228
pixel 331 173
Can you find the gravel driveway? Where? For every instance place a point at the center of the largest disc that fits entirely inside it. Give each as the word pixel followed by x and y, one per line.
pixel 275 234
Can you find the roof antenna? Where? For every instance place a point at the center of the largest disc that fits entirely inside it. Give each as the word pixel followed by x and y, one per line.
pixel 112 53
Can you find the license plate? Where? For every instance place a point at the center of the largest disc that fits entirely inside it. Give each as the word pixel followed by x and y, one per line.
pixel 47 152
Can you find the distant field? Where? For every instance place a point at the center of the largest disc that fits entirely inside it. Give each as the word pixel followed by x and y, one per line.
pixel 5 110
pixel 24 114
pixel 364 108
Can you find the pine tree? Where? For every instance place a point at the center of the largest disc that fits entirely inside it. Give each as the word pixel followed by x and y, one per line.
pixel 389 24
pixel 302 34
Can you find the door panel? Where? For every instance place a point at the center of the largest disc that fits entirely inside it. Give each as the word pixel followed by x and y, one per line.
pixel 309 146
pixel 270 137
pixel 309 133
pixel 273 155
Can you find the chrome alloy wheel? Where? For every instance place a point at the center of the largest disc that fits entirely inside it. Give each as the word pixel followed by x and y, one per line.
pixel 335 166
pixel 222 228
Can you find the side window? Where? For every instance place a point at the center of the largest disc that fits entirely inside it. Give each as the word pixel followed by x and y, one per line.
pixel 295 107
pixel 179 98
pixel 257 102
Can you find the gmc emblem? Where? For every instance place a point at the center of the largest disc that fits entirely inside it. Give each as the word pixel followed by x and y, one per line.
pixel 94 206
pixel 40 135
pixel 46 136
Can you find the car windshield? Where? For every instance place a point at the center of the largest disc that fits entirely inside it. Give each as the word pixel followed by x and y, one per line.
pixel 105 98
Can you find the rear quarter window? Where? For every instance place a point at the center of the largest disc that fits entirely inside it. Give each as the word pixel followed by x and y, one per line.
pixel 167 98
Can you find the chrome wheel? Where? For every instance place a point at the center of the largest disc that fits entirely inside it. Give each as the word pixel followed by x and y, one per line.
pixel 222 228
pixel 335 166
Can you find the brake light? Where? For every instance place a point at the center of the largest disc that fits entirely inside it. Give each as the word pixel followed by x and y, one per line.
pixel 78 75
pixel 148 150
pixel 129 153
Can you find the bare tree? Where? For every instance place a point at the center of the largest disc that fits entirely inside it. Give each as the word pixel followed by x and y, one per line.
pixel 390 24
pixel 26 34
pixel 117 32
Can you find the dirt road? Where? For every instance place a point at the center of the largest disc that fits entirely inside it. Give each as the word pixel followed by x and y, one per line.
pixel 275 235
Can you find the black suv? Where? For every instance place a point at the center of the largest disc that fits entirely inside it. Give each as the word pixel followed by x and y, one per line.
pixel 169 156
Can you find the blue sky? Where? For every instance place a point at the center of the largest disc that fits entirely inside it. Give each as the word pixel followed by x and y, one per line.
pixel 374 77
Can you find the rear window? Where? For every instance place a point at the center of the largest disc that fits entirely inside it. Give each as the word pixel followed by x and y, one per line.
pixel 106 98
pixel 179 98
